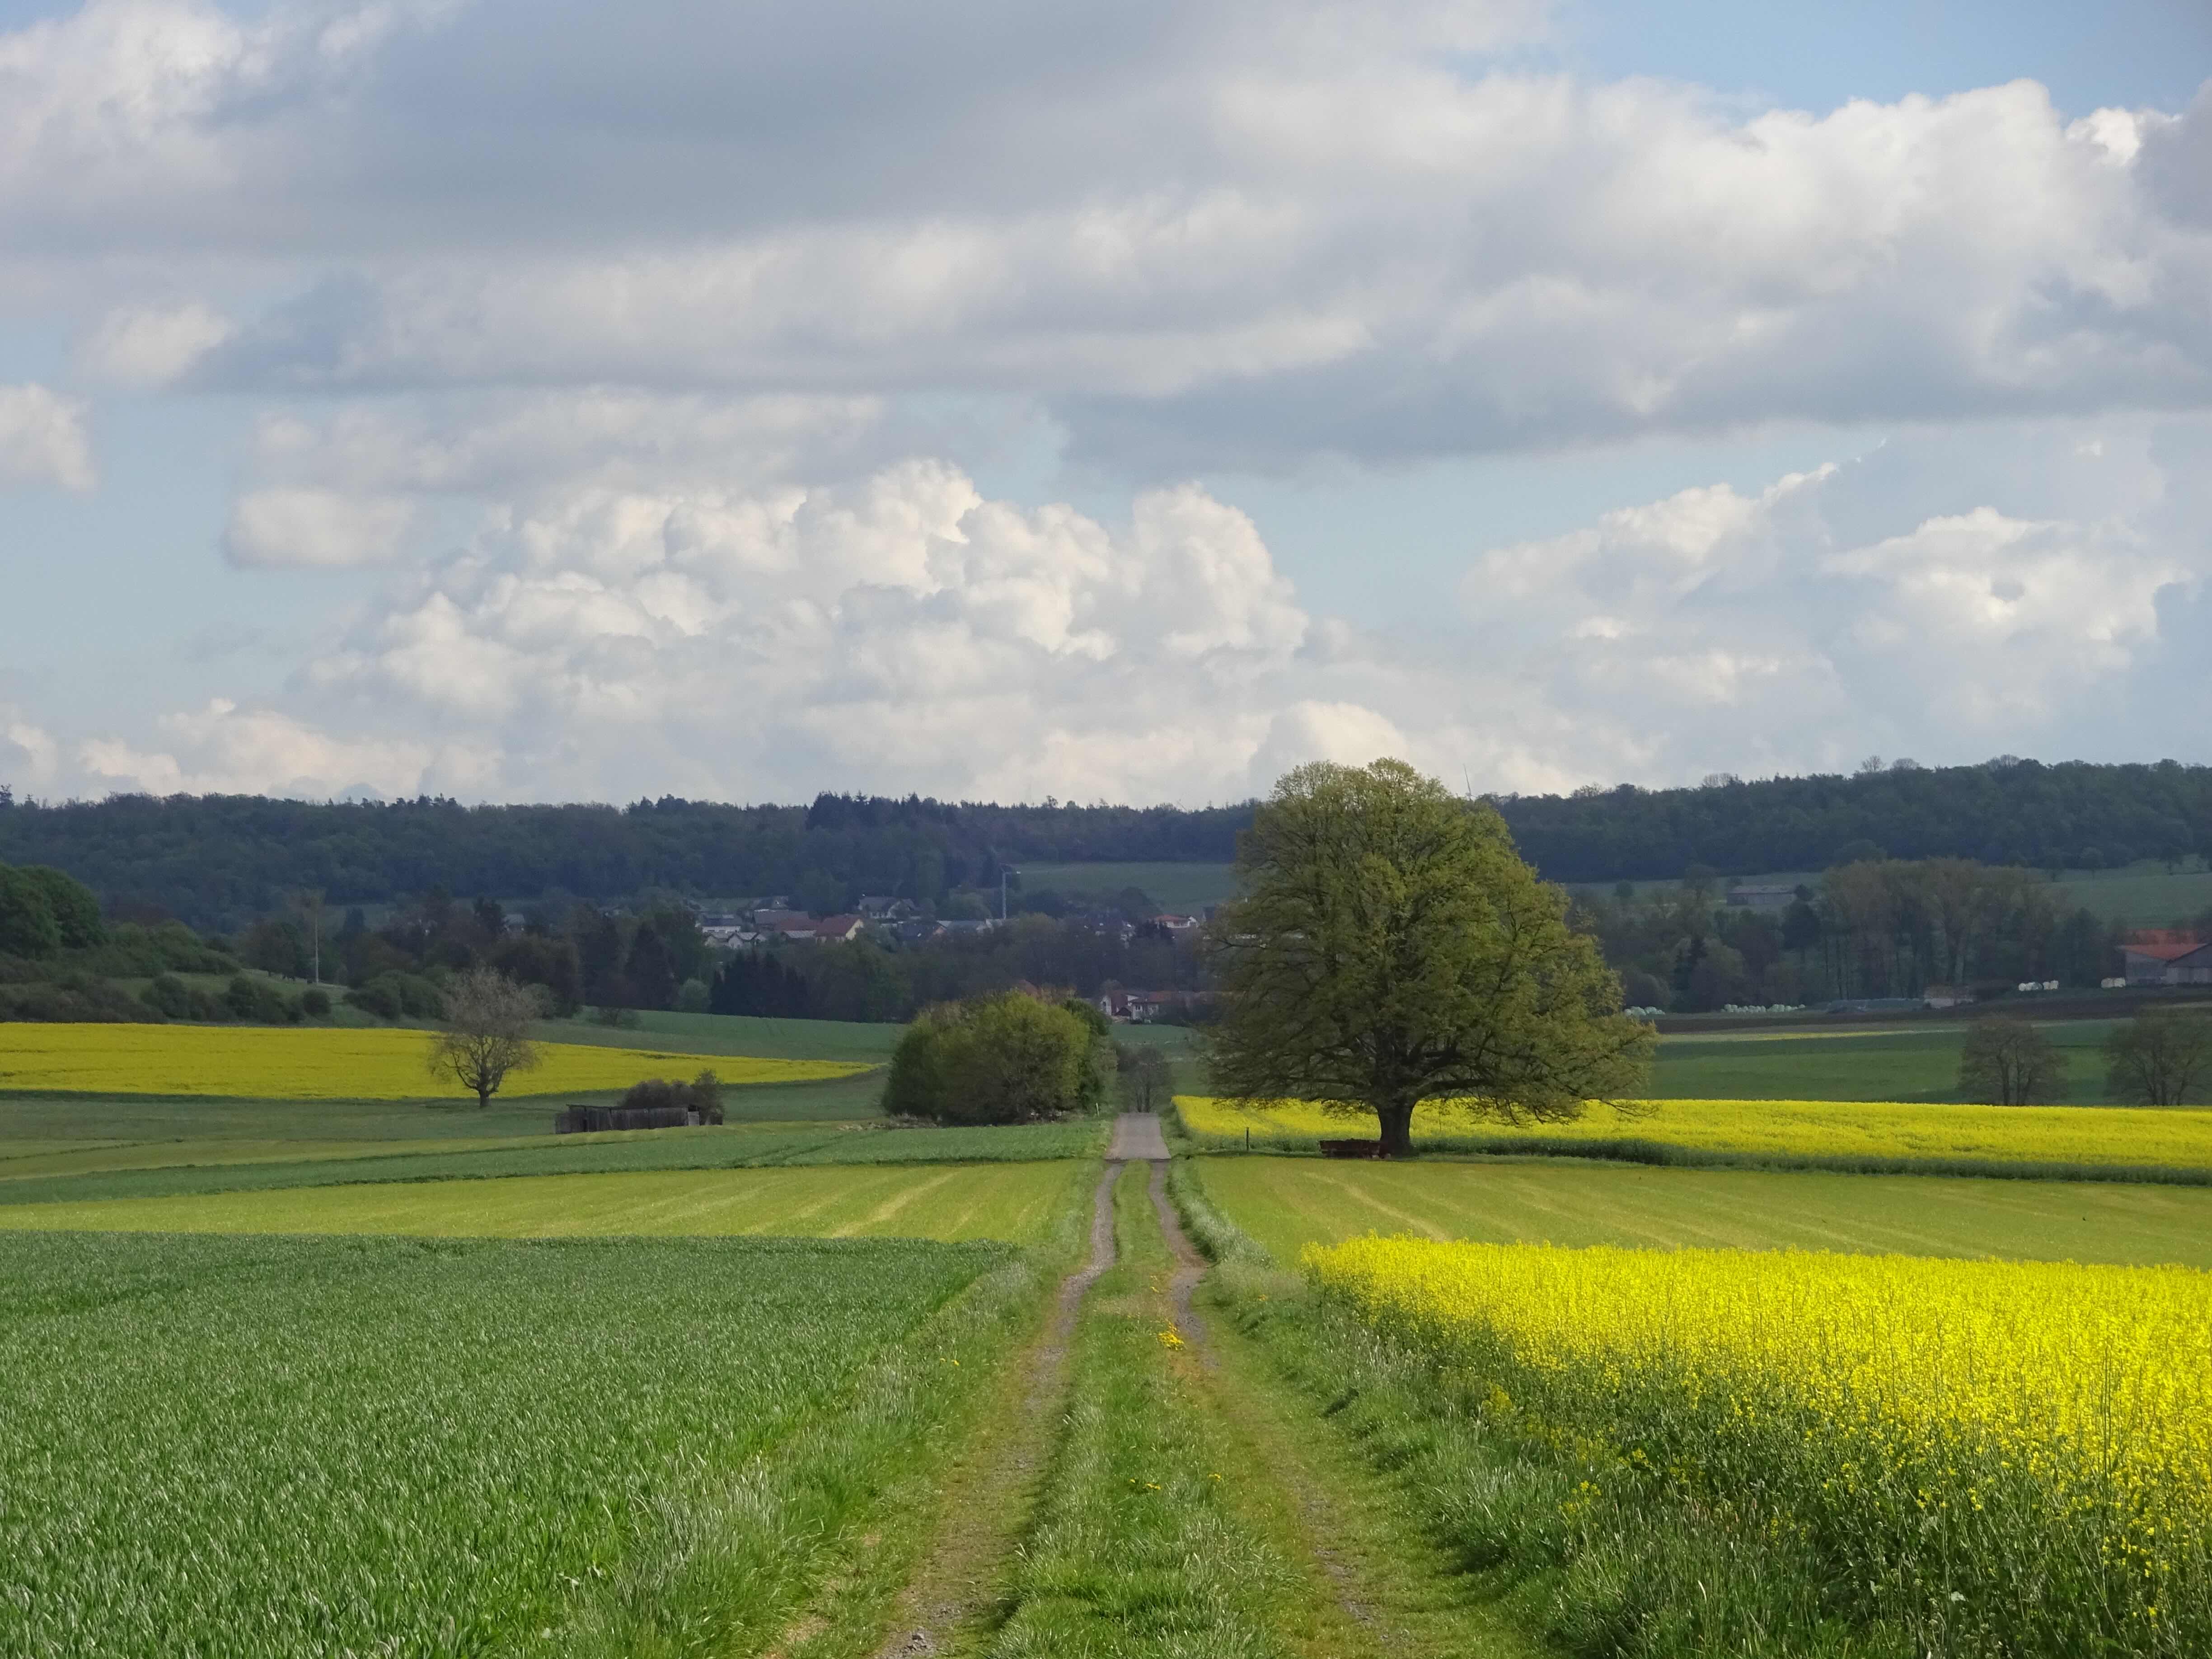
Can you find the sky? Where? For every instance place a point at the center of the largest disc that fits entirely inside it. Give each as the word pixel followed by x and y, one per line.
pixel 737 400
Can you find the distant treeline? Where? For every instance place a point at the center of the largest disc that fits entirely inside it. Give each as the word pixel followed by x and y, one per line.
pixel 216 860
pixel 219 860
pixel 2005 811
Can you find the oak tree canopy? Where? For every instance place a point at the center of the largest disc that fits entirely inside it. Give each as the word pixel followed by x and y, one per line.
pixel 1392 948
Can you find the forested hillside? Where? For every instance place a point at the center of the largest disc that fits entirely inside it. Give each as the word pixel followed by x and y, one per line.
pixel 213 859
pixel 216 860
pixel 2074 815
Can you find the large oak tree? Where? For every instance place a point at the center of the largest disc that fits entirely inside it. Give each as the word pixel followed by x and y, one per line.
pixel 1392 948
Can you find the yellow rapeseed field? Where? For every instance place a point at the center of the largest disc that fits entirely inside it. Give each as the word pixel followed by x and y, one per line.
pixel 282 1063
pixel 1819 1129
pixel 2020 1449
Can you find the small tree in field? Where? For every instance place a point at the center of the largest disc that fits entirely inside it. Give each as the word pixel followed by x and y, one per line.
pixel 487 1032
pixel 1393 948
pixel 1005 1058
pixel 2161 1057
pixel 2008 1062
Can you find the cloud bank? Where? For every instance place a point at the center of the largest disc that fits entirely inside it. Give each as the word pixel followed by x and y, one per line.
pixel 652 354
pixel 904 631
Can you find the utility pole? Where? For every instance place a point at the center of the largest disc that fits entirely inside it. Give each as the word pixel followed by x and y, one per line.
pixel 311 901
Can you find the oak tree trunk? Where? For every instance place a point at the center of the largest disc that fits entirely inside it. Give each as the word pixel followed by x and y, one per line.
pixel 1396 1118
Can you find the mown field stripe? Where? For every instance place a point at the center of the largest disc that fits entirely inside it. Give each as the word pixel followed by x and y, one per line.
pixel 736 1146
pixel 1011 1201
pixel 1287 1203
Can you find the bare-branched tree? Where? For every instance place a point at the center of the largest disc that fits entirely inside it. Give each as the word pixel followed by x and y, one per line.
pixel 2007 1061
pixel 486 1035
pixel 2162 1057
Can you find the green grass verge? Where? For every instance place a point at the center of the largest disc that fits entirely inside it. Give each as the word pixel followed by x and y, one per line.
pixel 1137 1548
pixel 362 1446
pixel 729 1147
pixel 955 1202
pixel 1288 1203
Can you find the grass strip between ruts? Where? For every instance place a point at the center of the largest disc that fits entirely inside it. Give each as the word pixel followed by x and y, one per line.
pixel 1138 1548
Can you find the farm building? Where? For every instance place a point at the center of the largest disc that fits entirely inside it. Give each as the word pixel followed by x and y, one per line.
pixel 1763 896
pixel 2168 961
pixel 598 1120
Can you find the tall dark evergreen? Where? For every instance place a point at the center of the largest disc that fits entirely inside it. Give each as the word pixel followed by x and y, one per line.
pixel 757 984
pixel 600 958
pixel 650 971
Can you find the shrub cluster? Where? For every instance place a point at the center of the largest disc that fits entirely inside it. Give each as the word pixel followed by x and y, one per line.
pixel 78 998
pixel 75 998
pixel 131 950
pixel 250 1000
pixel 58 961
pixel 396 995
pixel 1011 1057
pixel 702 1094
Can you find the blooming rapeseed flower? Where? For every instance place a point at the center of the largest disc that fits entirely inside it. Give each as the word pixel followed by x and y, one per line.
pixel 1937 1427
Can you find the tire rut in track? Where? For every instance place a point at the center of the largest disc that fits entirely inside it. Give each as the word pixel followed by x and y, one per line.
pixel 987 1502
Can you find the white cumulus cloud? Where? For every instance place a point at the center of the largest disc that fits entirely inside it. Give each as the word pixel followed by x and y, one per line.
pixel 1835 611
pixel 324 528
pixel 43 439
pixel 223 749
pixel 28 754
pixel 151 346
